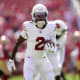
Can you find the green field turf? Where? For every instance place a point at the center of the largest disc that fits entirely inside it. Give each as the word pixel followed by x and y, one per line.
pixel 72 77
pixel 68 77
pixel 16 78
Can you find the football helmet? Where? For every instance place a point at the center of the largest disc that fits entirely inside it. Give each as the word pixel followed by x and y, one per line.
pixel 61 28
pixel 4 39
pixel 39 15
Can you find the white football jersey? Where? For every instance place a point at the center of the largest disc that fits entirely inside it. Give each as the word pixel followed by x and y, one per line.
pixel 36 38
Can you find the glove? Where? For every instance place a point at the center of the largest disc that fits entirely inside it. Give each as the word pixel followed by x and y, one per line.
pixel 49 47
pixel 11 65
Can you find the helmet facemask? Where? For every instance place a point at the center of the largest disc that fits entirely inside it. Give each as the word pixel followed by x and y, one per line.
pixel 40 19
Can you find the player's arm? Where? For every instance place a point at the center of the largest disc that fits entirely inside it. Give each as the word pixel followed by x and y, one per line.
pixel 23 36
pixel 61 31
pixel 11 64
pixel 19 42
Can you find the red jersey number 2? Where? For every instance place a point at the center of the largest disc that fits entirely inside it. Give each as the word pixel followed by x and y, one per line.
pixel 40 44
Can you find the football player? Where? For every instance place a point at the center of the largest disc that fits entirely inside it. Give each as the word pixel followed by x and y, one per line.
pixel 36 32
pixel 57 59
pixel 4 73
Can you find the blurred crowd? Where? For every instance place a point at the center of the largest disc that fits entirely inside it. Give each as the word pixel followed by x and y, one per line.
pixel 14 12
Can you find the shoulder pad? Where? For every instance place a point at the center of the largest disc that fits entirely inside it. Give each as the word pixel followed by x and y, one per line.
pixel 61 23
pixel 26 23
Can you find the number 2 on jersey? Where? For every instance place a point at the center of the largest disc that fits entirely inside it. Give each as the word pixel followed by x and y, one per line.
pixel 40 44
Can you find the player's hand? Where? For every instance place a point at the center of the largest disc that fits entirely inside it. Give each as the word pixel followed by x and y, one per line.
pixel 50 47
pixel 11 65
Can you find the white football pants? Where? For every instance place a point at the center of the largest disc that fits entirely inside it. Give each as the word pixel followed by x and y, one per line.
pixel 41 65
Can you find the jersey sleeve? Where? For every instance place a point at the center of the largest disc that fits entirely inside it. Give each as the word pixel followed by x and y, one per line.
pixel 63 26
pixel 24 31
